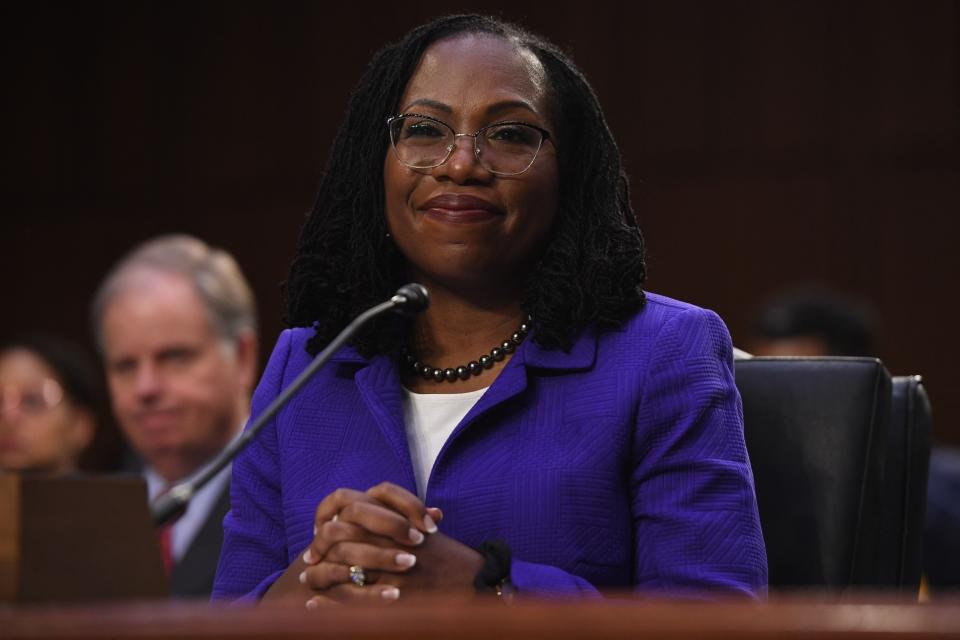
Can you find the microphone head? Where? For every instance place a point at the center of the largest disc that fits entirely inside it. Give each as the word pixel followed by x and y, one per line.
pixel 411 299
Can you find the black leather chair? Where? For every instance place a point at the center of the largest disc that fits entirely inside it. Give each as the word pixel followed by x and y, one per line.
pixel 816 431
pixel 905 485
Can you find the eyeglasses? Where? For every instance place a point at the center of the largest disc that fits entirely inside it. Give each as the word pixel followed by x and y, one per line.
pixel 31 401
pixel 502 148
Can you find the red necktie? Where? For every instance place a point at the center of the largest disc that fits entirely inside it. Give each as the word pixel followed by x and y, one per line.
pixel 165 537
pixel 164 533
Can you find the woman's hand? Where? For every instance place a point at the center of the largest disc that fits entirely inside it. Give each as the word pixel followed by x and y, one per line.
pixel 440 563
pixel 341 544
pixel 389 533
pixel 377 530
pixel 443 564
pixel 374 534
pixel 385 510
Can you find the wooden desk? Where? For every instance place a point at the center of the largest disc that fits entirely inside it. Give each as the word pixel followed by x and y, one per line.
pixel 434 619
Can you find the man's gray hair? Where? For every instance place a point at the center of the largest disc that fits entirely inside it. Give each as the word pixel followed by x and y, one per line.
pixel 214 274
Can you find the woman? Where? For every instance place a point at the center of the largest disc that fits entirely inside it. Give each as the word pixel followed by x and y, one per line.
pixel 597 441
pixel 50 402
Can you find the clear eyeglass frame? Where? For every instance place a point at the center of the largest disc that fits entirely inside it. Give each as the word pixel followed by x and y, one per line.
pixel 31 402
pixel 477 138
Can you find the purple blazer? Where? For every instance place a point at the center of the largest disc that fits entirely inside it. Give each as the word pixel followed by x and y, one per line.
pixel 618 464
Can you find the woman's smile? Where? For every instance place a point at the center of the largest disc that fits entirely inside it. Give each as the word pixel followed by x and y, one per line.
pixel 461 209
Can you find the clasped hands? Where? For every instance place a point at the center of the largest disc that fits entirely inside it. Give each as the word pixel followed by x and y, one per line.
pixel 389 533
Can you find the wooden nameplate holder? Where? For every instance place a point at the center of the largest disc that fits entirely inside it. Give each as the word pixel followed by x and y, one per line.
pixel 77 539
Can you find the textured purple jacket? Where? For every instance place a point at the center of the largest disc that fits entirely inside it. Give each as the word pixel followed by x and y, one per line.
pixel 620 464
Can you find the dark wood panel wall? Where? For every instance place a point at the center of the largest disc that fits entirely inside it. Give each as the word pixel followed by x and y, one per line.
pixel 768 143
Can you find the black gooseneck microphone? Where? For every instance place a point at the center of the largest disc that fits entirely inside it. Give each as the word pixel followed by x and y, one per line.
pixel 409 300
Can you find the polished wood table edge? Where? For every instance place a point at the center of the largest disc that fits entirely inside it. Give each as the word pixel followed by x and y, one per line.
pixel 441 618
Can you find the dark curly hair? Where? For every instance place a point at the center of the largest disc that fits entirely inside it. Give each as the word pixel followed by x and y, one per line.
pixel 591 272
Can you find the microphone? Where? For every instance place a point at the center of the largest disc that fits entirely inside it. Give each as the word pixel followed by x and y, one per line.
pixel 409 300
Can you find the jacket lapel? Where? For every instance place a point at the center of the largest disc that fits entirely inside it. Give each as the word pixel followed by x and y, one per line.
pixel 193 575
pixel 513 380
pixel 379 385
pixel 378 382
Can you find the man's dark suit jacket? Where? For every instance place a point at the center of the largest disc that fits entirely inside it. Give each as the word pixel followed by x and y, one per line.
pixel 192 577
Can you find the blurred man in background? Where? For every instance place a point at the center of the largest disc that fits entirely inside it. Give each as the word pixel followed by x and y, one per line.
pixel 812 321
pixel 176 325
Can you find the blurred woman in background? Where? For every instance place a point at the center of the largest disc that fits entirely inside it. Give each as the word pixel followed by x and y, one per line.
pixel 51 404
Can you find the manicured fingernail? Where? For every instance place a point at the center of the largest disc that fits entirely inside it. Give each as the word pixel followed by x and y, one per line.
pixel 429 524
pixel 415 536
pixel 308 557
pixel 390 593
pixel 335 517
pixel 314 531
pixel 405 559
pixel 303 577
pixel 311 604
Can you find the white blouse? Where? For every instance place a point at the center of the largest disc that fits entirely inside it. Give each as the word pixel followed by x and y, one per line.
pixel 430 418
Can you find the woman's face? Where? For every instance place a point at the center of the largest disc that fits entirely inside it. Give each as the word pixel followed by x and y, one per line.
pixel 459 225
pixel 40 428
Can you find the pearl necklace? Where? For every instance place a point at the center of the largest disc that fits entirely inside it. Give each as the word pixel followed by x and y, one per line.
pixel 472 368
